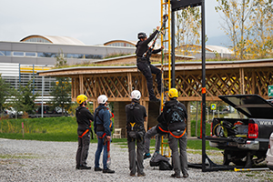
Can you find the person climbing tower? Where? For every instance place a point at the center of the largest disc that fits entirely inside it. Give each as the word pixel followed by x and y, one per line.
pixel 143 53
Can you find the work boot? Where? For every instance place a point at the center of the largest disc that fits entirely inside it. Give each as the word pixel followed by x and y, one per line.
pixel 185 175
pixel 108 171
pixel 77 166
pixel 147 155
pixel 141 174
pixel 85 167
pixel 132 174
pixel 176 175
pixel 98 169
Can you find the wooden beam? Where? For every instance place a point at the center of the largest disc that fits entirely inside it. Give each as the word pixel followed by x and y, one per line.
pixel 81 84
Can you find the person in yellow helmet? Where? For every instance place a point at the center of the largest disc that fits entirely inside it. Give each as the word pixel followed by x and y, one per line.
pixel 175 115
pixel 84 119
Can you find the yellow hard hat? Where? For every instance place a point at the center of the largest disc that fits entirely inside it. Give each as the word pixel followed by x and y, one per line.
pixel 81 98
pixel 173 93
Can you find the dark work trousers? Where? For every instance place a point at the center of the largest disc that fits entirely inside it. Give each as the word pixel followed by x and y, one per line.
pixel 147 70
pixel 179 162
pixel 135 162
pixel 83 147
pixel 150 133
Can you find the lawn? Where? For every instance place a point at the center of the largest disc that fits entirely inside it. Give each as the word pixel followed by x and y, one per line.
pixel 60 129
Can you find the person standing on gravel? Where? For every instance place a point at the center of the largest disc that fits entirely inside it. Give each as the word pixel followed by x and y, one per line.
pixel 175 114
pixel 102 129
pixel 84 119
pixel 135 117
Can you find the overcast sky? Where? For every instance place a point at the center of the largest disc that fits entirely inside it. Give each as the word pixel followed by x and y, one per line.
pixel 91 21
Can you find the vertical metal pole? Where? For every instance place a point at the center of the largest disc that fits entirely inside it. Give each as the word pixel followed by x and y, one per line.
pixel 19 74
pixel 42 108
pixel 203 88
pixel 173 49
pixel 33 80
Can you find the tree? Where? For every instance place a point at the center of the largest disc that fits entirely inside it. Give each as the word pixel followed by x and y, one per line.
pixel 188 29
pixel 24 98
pixel 4 92
pixel 60 60
pixel 236 15
pixel 61 92
pixel 262 23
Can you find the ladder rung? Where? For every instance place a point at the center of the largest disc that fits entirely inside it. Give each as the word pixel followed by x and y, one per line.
pixel 166 78
pixel 165 41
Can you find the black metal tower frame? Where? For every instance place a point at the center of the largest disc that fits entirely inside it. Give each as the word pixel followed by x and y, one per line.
pixel 178 5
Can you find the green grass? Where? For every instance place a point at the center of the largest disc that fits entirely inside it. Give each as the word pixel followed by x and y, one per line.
pixel 193 126
pixel 63 129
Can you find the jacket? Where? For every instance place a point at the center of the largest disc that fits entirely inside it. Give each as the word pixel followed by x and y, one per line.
pixel 102 117
pixel 142 46
pixel 83 116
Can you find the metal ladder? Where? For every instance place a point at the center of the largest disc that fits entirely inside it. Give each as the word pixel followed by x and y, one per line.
pixel 165 9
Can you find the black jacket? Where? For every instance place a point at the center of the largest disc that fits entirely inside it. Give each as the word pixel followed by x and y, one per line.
pixel 83 118
pixel 142 46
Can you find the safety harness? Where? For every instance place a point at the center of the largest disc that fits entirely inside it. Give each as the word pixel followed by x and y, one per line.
pixel 86 131
pixel 134 126
pixel 175 136
pixel 178 136
pixel 135 131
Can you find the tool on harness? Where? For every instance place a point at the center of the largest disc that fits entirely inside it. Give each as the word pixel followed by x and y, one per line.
pixel 132 125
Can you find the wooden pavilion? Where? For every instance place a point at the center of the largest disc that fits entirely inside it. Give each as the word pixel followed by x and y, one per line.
pixel 117 82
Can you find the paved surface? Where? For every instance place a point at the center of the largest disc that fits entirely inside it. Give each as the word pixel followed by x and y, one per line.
pixel 25 160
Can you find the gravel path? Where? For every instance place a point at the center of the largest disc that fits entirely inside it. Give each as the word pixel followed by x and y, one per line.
pixel 26 160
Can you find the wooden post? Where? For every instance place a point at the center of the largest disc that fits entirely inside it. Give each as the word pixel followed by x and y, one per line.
pixel 188 122
pixel 146 105
pixel 129 78
pixel 253 82
pixel 242 80
pixel 81 84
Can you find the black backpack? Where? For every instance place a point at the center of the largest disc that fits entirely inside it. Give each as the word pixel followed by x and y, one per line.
pixel 175 114
pixel 161 161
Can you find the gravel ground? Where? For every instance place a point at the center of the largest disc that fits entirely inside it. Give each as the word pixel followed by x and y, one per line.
pixel 25 160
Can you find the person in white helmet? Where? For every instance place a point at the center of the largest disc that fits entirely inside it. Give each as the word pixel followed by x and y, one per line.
pixel 102 129
pixel 135 117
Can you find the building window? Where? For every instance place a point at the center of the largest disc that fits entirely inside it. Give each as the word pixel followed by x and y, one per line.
pixel 31 54
pixel 18 54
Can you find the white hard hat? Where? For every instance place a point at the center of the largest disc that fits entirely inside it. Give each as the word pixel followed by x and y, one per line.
pixel 135 95
pixel 102 99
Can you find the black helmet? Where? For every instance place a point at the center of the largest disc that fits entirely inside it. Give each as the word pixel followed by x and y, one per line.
pixel 141 35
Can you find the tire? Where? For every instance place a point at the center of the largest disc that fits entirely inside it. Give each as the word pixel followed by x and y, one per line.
pixel 235 157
